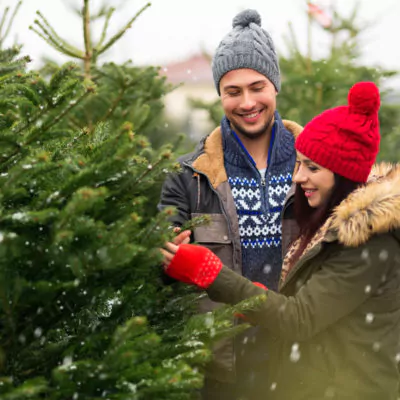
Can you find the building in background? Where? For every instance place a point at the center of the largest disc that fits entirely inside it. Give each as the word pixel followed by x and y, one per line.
pixel 194 79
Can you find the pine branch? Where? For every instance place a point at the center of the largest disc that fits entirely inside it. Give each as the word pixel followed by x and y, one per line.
pixel 2 22
pixel 10 22
pixel 54 44
pixel 24 126
pixel 148 171
pixel 101 13
pixel 144 234
pixel 100 73
pixel 114 105
pixel 9 54
pixel 7 309
pixel 49 35
pixel 118 35
pixel 55 35
pixel 11 67
pixel 74 123
pixel 54 121
pixel 87 39
pixel 105 27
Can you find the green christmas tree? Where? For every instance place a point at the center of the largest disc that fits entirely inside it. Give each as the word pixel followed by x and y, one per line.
pixel 124 92
pixel 83 311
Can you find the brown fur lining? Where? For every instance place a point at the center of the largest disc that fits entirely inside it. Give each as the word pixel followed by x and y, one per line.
pixel 374 208
pixel 293 127
pixel 211 162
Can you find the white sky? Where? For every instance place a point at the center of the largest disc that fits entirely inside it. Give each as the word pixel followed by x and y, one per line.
pixel 173 29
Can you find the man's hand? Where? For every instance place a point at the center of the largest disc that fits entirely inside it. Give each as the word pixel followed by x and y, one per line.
pixel 172 247
pixel 181 237
pixel 169 252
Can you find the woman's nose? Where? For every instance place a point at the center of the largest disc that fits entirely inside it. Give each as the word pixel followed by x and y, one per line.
pixel 299 176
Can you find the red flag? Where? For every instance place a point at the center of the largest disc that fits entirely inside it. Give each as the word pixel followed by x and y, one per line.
pixel 319 15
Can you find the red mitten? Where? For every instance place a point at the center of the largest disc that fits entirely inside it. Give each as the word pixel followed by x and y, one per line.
pixel 195 265
pixel 242 316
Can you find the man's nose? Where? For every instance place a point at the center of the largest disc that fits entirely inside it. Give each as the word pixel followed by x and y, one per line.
pixel 248 102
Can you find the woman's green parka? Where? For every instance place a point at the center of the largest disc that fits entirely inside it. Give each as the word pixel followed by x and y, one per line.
pixel 333 331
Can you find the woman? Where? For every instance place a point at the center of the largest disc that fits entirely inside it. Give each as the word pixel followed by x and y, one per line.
pixel 334 328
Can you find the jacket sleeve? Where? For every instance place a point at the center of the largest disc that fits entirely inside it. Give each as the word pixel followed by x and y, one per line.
pixel 345 281
pixel 175 193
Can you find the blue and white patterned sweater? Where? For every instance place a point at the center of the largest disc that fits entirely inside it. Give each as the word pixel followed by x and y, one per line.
pixel 259 201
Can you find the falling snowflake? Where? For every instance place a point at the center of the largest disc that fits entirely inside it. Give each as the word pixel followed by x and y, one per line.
pixel 267 269
pixel 369 318
pixel 383 255
pixel 295 353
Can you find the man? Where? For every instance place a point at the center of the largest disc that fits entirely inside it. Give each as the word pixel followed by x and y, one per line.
pixel 239 175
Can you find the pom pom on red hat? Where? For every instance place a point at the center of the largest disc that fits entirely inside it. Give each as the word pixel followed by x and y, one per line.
pixel 345 139
pixel 364 98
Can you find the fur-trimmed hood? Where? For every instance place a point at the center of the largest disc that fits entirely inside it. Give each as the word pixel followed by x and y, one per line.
pixel 372 209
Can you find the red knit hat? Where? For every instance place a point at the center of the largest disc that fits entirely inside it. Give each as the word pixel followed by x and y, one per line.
pixel 345 139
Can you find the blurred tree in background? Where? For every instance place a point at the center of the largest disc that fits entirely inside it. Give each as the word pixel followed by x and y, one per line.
pixel 311 85
pixel 124 92
pixel 83 311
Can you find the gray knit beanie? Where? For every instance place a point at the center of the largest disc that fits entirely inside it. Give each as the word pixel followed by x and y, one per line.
pixel 247 45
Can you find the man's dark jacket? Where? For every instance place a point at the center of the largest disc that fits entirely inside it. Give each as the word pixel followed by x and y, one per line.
pixel 201 188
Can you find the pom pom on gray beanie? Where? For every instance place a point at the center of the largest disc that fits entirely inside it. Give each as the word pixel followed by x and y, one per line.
pixel 247 45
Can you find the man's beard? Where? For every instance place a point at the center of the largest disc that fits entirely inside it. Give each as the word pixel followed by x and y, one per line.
pixel 253 135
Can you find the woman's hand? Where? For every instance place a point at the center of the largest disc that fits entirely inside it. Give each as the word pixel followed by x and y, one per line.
pixel 191 264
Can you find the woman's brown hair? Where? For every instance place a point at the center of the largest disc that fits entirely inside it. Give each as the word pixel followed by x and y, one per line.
pixel 310 219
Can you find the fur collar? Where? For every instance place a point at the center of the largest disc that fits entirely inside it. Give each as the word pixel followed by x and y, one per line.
pixel 211 161
pixel 372 209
